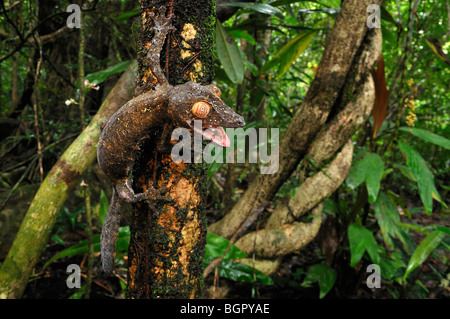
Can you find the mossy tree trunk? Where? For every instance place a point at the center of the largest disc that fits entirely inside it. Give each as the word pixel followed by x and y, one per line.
pixel 167 240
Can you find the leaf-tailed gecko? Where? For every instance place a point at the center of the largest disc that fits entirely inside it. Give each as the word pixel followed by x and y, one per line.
pixel 140 118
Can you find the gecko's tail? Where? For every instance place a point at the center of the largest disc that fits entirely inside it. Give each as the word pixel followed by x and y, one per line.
pixel 110 232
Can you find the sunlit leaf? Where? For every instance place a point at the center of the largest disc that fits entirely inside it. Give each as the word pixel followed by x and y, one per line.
pixel 423 176
pixel 428 136
pixel 229 55
pixel 289 53
pixel 424 249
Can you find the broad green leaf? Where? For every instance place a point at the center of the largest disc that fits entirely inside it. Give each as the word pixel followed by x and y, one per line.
pixel 229 55
pixel 357 174
pixel 82 247
pixel 216 246
pixel 323 275
pixel 361 240
pixel 100 76
pixel 258 7
pixel 428 136
pixel 423 176
pixel 370 168
pixel 424 249
pixel 375 170
pixel 240 272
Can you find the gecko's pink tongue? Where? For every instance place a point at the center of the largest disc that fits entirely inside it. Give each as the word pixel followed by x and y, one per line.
pixel 215 134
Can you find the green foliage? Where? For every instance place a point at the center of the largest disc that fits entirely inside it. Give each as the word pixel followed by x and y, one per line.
pixel 101 76
pixel 216 246
pixel 361 240
pixel 229 55
pixel 426 247
pixel 323 275
pixel 368 169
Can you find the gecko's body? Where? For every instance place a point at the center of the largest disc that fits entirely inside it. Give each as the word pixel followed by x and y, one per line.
pixel 141 118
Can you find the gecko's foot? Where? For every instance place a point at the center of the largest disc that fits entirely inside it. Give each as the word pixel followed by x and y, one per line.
pixel 151 195
pixel 162 22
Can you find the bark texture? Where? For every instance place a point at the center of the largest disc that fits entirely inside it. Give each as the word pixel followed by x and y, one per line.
pixel 168 240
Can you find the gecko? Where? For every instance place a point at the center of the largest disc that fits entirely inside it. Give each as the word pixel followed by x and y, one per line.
pixel 141 118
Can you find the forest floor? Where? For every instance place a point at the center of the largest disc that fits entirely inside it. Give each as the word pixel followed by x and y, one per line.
pixel 51 282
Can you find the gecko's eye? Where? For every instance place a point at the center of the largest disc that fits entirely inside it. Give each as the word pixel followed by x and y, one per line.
pixel 201 109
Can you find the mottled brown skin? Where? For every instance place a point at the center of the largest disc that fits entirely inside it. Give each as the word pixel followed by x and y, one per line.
pixel 143 117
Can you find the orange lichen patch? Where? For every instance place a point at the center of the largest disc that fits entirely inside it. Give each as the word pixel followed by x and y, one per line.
pixel 132 271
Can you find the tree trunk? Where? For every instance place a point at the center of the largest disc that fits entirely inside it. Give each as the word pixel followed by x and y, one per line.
pixel 321 101
pixel 168 240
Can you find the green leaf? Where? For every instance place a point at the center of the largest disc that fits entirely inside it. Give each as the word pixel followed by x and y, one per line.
pixel 361 240
pixel 370 168
pixel 422 251
pixel 258 7
pixel 128 14
pixel 443 229
pixel 323 275
pixel 240 272
pixel 216 246
pixel 423 176
pixel 428 136
pixel 387 217
pixel 229 55
pixel 100 76
pixel 240 34
pixel 56 238
pixel 375 170
pixel 82 247
pixel 289 53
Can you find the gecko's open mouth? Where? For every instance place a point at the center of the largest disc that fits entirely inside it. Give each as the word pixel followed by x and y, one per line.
pixel 214 133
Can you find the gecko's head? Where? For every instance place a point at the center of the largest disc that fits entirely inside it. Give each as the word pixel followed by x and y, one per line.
pixel 191 101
